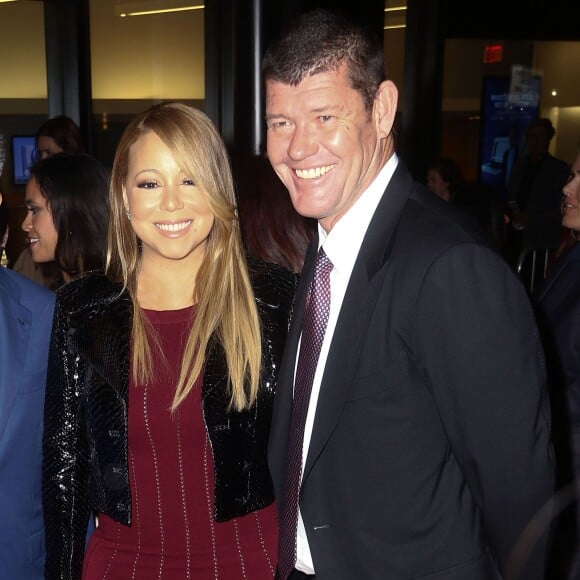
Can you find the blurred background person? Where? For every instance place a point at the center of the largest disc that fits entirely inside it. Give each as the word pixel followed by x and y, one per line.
pixel 166 442
pixel 558 309
pixel 25 322
pixel 57 135
pixel 534 192
pixel 446 180
pixel 272 230
pixel 67 214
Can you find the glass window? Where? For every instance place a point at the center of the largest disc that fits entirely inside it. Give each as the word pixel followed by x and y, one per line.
pixel 142 52
pixel 467 65
pixel 23 102
pixel 395 19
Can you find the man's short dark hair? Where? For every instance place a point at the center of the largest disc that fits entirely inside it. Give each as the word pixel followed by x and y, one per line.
pixel 321 41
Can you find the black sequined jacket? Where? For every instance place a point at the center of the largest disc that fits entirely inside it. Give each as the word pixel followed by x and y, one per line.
pixel 85 465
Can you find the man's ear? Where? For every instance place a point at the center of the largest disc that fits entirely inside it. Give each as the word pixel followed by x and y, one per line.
pixel 385 107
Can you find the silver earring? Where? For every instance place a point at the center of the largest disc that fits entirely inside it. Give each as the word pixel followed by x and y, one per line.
pixel 128 214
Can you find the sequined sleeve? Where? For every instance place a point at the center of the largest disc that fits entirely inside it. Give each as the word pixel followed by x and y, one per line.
pixel 65 457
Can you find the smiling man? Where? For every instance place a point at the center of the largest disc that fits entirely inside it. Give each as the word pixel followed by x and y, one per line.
pixel 414 426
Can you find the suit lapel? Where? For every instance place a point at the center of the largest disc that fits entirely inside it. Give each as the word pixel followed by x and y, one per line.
pixel 285 387
pixel 357 308
pixel 561 265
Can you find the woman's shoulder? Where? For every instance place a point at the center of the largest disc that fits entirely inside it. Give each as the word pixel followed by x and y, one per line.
pixel 271 283
pixel 89 292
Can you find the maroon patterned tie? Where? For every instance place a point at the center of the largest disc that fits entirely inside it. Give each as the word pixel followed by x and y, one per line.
pixel 313 329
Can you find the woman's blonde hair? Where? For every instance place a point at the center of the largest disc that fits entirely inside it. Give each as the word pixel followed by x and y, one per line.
pixel 226 310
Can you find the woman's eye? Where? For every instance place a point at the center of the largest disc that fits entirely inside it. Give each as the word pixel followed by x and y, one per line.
pixel 188 181
pixel 147 185
pixel 32 210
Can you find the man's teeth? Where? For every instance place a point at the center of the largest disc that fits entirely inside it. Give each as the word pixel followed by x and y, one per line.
pixel 174 227
pixel 314 172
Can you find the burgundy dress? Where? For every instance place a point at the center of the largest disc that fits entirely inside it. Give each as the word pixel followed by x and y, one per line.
pixel 174 535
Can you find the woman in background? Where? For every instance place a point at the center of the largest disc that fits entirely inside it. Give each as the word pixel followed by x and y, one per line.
pixel 558 309
pixel 67 213
pixel 162 374
pixel 445 178
pixel 57 135
pixel 272 230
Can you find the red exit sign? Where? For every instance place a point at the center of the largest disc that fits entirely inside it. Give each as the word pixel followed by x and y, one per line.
pixel 492 53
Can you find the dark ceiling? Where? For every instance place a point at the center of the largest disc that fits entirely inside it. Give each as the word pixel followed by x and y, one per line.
pixel 511 19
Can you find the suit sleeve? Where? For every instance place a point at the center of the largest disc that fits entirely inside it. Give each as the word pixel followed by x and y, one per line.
pixel 480 346
pixel 65 458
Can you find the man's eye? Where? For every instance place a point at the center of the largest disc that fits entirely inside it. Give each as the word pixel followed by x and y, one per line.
pixel 325 118
pixel 278 124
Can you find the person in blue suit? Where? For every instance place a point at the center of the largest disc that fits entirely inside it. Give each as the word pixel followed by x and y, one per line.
pixel 26 311
pixel 558 310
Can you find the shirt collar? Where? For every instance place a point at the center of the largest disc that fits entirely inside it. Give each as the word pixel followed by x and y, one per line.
pixel 343 242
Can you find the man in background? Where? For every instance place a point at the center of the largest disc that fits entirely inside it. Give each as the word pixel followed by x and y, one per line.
pixel 25 323
pixel 535 191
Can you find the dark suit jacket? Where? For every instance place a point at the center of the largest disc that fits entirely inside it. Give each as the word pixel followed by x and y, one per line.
pixel 431 449
pixel 558 303
pixel 558 311
pixel 25 321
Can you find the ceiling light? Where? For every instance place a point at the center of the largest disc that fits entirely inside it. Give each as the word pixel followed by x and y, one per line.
pixel 146 7
pixel 395 17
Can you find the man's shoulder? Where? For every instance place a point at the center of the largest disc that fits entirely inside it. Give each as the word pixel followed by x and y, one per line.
pixel 559 163
pixel 429 219
pixel 20 288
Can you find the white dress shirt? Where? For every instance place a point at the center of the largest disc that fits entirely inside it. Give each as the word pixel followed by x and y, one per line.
pixel 342 245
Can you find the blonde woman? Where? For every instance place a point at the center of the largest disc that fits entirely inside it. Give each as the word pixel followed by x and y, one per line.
pixel 162 374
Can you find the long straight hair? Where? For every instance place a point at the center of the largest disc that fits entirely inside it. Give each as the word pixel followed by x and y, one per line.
pixel 226 311
pixel 75 186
